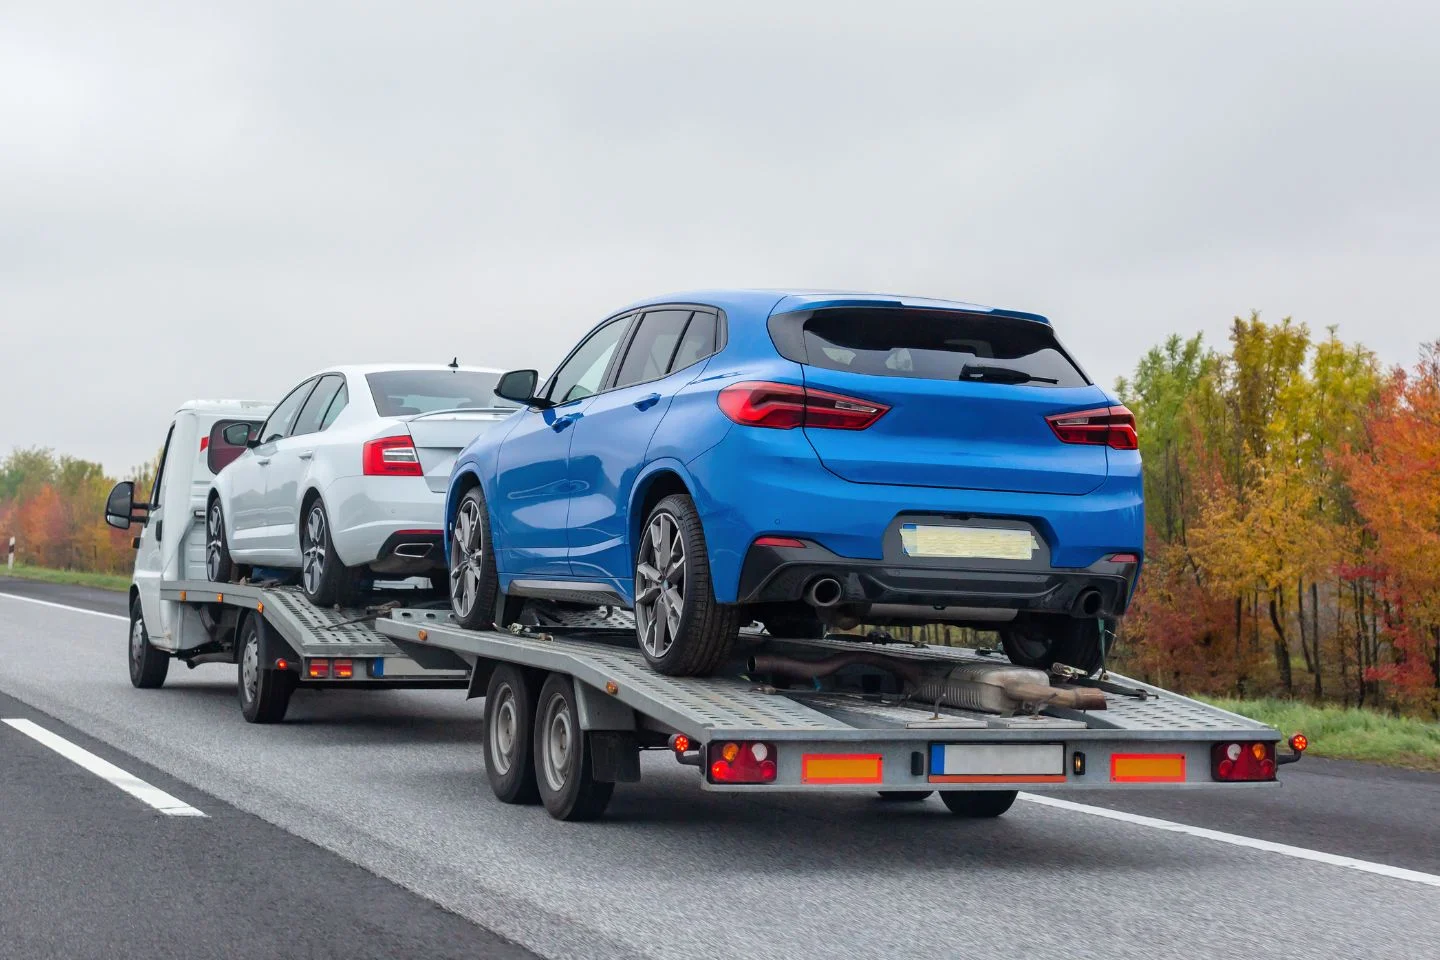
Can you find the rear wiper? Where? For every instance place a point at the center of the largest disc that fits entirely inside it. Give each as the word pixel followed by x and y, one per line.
pixel 976 371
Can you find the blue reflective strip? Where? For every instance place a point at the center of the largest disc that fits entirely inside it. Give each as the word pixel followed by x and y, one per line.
pixel 937 758
pixel 377 667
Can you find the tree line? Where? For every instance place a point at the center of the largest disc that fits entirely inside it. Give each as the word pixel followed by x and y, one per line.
pixel 1293 511
pixel 1292 507
pixel 54 508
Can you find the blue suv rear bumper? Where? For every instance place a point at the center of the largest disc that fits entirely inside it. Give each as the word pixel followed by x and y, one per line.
pixel 769 482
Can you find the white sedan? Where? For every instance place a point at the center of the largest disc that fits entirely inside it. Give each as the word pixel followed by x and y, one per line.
pixel 346 479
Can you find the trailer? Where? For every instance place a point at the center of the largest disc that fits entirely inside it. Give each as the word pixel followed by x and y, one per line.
pixel 570 705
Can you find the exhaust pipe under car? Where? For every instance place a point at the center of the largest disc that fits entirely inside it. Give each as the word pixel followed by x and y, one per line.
pixel 824 592
pixel 1087 604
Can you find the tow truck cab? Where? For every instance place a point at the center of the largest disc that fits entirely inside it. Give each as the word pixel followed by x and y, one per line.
pixel 170 544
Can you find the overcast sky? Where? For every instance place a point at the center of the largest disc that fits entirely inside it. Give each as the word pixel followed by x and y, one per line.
pixel 202 202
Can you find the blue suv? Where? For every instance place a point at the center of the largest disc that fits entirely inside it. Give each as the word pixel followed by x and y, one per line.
pixel 807 460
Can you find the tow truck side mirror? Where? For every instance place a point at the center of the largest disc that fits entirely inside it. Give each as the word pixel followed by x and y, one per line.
pixel 121 510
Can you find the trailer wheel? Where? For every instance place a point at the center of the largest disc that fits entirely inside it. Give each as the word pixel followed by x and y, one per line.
pixel 978 803
pixel 905 796
pixel 563 770
pixel 218 565
pixel 1043 640
pixel 264 692
pixel 474 578
pixel 148 665
pixel 683 631
pixel 509 746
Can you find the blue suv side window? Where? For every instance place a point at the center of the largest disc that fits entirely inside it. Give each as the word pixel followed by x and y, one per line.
pixel 653 346
pixel 582 374
pixel 698 342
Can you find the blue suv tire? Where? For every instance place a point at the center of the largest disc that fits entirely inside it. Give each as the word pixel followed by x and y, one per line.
pixel 683 631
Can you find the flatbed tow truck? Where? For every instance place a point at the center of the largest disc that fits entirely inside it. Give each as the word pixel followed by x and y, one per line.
pixel 570 703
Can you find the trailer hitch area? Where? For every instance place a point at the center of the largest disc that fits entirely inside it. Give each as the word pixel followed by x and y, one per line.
pixel 1299 743
pixel 1103 682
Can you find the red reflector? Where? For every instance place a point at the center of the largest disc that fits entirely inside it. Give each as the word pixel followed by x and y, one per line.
pixel 1238 762
pixel 779 542
pixel 391 457
pixel 341 669
pixel 204 443
pixel 744 762
pixel 1112 427
pixel 282 664
pixel 1123 558
pixel 317 669
pixel 784 406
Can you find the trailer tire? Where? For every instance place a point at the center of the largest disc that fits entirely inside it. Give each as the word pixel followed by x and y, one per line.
pixel 703 632
pixel 218 565
pixel 474 579
pixel 264 692
pixel 905 796
pixel 510 702
pixel 978 804
pixel 323 575
pixel 148 665
pixel 563 770
pixel 1041 641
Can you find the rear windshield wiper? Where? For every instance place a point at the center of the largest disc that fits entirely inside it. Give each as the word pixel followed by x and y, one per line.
pixel 976 371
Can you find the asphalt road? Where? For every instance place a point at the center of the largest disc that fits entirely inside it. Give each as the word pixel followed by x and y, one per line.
pixel 392 781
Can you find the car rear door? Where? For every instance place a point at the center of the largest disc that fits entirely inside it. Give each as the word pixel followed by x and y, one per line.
pixel 968 396
pixel 290 466
pixel 608 446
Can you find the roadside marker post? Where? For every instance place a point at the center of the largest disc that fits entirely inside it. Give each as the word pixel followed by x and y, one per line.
pixel 10 555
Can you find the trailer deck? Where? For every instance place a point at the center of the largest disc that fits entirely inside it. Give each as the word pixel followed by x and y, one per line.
pixel 1150 738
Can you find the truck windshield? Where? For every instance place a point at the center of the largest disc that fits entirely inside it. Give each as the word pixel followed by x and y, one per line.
pixel 405 393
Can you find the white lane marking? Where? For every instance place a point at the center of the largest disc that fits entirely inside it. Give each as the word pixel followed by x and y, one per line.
pixel 1284 849
pixel 105 770
pixel 64 606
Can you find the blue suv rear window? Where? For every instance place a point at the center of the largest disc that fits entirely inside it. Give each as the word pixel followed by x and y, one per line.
pixel 926 345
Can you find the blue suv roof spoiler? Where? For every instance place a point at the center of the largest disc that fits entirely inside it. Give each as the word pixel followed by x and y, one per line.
pixel 797 302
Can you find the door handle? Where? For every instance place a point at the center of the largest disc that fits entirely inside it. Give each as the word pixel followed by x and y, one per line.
pixel 560 423
pixel 647 401
pixel 265 462
pixel 305 454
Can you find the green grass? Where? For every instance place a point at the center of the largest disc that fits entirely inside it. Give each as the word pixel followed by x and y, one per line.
pixel 1348 733
pixel 118 582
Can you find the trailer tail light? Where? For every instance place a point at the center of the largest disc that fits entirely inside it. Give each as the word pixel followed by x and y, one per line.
pixel 391 457
pixel 785 406
pixel 317 669
pixel 1238 762
pixel 1112 427
pixel 743 761
pixel 341 669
